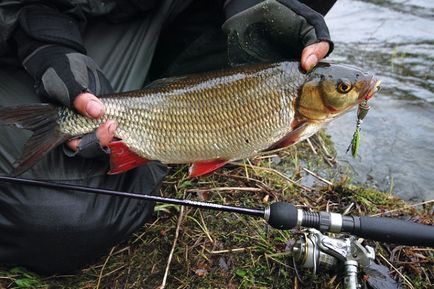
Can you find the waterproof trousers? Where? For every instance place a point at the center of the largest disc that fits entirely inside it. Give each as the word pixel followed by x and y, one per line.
pixel 56 231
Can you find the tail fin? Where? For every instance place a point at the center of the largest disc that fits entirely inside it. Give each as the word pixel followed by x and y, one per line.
pixel 42 120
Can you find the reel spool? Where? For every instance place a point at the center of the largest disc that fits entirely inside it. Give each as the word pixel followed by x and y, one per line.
pixel 307 254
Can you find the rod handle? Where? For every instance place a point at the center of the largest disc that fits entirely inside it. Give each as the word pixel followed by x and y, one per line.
pixel 391 230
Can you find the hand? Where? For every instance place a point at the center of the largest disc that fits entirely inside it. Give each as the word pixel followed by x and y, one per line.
pixel 313 53
pixel 275 30
pixel 89 105
pixel 62 71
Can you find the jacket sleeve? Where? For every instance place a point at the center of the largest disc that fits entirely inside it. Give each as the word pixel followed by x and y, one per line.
pixel 50 47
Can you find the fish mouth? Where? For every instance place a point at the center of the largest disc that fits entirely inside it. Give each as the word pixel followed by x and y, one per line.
pixel 373 87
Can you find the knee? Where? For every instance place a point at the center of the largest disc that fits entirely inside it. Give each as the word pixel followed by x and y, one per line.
pixel 60 235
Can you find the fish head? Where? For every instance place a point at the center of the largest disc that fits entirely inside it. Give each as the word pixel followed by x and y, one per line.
pixel 331 89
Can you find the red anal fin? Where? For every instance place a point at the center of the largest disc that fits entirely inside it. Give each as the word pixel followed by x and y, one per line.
pixel 202 168
pixel 122 158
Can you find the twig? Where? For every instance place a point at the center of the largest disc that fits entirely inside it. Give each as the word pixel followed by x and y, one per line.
pixel 225 189
pixel 231 250
pixel 246 169
pixel 169 260
pixel 397 271
pixel 113 271
pixel 311 146
pixel 323 148
pixel 423 249
pixel 245 179
pixel 323 145
pixel 408 206
pixel 274 151
pixel 128 270
pixel 413 262
pixel 122 250
pixel 103 267
pixel 148 227
pixel 8 277
pixel 318 177
pixel 267 156
pixel 205 228
pixel 277 173
pixel 276 260
pixel 348 209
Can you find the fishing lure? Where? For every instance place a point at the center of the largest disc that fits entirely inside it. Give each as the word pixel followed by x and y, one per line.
pixel 362 111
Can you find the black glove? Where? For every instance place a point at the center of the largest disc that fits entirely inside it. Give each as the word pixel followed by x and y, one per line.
pixel 61 74
pixel 88 148
pixel 271 30
pixel 51 50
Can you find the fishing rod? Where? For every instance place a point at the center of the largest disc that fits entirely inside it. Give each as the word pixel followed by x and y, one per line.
pixel 285 216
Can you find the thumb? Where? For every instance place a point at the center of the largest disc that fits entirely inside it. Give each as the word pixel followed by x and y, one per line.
pixel 89 105
pixel 313 53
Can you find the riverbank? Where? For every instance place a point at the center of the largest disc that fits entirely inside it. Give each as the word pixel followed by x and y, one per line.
pixel 225 250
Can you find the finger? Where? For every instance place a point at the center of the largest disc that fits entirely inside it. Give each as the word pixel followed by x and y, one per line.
pixel 73 144
pixel 89 105
pixel 313 53
pixel 106 132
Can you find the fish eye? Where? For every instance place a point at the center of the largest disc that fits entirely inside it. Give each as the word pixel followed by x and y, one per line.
pixel 344 85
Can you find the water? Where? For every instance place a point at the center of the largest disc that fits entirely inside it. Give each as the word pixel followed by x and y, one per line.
pixel 394 39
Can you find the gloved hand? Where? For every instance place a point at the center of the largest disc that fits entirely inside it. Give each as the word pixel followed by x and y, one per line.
pixel 273 30
pixel 61 74
pixel 50 48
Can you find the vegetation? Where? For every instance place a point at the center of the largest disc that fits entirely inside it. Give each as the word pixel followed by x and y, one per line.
pixel 211 249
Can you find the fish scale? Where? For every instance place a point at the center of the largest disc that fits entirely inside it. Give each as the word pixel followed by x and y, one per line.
pixel 222 115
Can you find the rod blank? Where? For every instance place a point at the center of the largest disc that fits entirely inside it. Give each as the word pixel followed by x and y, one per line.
pixel 284 216
pixel 212 206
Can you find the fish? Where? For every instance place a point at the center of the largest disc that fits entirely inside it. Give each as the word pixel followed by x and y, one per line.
pixel 206 119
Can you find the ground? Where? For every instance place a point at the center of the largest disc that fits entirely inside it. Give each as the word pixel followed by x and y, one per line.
pixel 214 249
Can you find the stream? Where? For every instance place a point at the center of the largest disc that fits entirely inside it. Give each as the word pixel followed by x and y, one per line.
pixel 395 40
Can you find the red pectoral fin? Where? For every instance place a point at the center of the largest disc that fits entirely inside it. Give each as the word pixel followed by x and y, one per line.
pixel 122 158
pixel 202 168
pixel 291 138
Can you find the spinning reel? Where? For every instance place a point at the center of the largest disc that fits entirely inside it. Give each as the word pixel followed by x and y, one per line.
pixel 313 250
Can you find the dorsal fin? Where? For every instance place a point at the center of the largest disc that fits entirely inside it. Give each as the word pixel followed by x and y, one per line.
pixel 165 82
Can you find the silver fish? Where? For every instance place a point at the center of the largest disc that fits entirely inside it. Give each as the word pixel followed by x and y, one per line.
pixel 205 119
